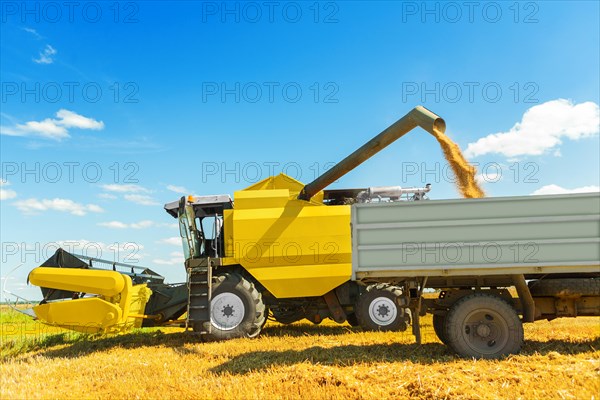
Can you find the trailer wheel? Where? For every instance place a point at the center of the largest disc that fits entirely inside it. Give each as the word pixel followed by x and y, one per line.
pixel 439 326
pixel 378 309
pixel 483 326
pixel 237 309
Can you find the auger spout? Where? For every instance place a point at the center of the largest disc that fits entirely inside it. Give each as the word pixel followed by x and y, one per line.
pixel 419 116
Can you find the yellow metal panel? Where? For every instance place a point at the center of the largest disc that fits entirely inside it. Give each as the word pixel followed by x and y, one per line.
pixel 302 280
pixel 106 283
pixel 89 315
pixel 111 312
pixel 140 294
pixel 266 198
pixel 294 248
pixel 228 232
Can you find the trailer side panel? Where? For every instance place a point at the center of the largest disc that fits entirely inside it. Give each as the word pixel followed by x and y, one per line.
pixel 490 236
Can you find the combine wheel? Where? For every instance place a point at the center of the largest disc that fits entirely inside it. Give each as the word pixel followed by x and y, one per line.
pixel 237 309
pixel 352 320
pixel 439 326
pixel 378 309
pixel 483 326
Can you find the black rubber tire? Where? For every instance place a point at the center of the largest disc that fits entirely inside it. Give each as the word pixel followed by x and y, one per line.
pixel 501 330
pixel 554 287
pixel 439 326
pixel 367 300
pixel 254 308
pixel 352 320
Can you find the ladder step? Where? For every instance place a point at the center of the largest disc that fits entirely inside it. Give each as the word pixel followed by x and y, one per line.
pixel 199 282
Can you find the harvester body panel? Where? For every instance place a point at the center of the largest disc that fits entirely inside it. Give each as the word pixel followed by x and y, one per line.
pixel 294 248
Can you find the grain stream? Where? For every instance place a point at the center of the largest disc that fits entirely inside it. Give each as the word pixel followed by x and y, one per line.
pixel 464 172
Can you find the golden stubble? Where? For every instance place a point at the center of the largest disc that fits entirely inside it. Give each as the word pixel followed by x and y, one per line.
pixel 560 360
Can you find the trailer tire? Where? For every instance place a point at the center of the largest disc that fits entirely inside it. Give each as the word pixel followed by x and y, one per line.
pixel 378 308
pixel 237 309
pixel 556 287
pixel 481 325
pixel 439 326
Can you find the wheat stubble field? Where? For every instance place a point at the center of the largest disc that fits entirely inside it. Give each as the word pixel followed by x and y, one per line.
pixel 561 360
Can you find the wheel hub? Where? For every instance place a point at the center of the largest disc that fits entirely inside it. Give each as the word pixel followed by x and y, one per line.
pixel 227 311
pixel 383 311
pixel 483 330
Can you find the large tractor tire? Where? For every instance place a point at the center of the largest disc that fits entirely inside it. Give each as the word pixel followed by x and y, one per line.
pixel 352 320
pixel 439 326
pixel 556 287
pixel 481 325
pixel 236 309
pixel 378 308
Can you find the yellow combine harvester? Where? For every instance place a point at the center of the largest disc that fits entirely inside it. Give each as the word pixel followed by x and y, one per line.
pixel 290 251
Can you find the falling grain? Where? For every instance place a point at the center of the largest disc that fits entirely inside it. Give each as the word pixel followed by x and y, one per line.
pixel 464 172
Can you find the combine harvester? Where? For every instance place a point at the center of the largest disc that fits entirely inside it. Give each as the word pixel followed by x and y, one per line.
pixel 290 251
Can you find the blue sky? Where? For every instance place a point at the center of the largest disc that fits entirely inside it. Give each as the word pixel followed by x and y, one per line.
pixel 109 110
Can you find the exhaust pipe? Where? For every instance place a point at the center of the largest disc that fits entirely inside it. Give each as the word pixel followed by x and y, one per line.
pixel 419 116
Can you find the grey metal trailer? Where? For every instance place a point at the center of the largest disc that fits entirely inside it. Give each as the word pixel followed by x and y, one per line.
pixel 473 251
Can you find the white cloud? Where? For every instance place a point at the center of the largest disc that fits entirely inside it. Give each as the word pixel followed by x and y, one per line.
pixel 34 206
pixel 542 128
pixel 6 194
pixel 46 56
pixel 51 128
pixel 125 188
pixel 137 225
pixel 173 241
pixel 113 225
pixel 141 199
pixel 491 177
pixel 33 32
pixel 176 258
pixel 555 189
pixel 70 119
pixel 178 189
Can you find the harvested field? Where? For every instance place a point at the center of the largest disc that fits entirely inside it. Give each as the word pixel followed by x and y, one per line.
pixel 561 359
